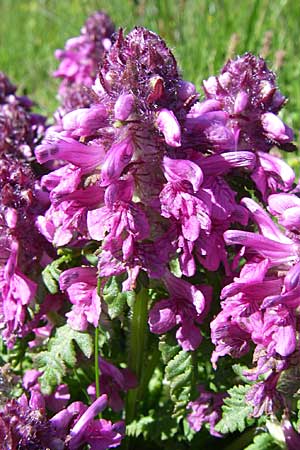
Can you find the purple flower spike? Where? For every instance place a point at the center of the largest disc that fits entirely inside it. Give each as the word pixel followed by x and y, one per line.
pixel 247 90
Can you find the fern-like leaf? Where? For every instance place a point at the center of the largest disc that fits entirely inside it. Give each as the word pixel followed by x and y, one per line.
pixel 236 411
pixel 61 354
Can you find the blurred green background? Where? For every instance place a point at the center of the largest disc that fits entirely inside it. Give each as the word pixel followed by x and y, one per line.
pixel 201 33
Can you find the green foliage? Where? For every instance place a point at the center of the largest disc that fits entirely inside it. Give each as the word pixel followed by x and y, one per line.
pixel 67 258
pixel 60 355
pixel 116 299
pixel 157 426
pixel 236 411
pixel 263 441
pixel 179 374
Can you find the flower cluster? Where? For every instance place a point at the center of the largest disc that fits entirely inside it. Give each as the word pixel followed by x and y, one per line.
pixel 146 169
pixel 23 424
pixel 80 60
pixel 261 305
pixel 21 200
pixel 141 206
pixel 20 128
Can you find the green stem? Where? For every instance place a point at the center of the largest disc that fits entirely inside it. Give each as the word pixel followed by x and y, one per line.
pixel 137 345
pixel 97 370
pixel 242 441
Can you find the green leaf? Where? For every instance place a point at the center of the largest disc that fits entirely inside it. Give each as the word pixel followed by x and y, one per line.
pixel 179 374
pixel 60 355
pixel 157 426
pixel 236 411
pixel 263 441
pixel 115 299
pixel 239 370
pixel 68 258
pixel 140 427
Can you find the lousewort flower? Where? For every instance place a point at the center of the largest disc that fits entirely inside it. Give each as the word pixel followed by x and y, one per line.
pixel 21 200
pixel 154 197
pixel 80 60
pixel 24 425
pixel 261 304
pixel 20 128
pixel 205 409
pixel 246 90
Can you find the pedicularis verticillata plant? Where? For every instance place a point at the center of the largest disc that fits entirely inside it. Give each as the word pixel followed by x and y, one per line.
pixel 150 266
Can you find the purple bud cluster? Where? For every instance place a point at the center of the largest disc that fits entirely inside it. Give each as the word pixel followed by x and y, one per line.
pixel 20 128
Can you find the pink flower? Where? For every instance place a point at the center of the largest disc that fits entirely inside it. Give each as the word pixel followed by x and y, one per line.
pixel 81 286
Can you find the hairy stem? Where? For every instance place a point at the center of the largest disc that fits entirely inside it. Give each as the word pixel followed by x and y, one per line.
pixel 137 346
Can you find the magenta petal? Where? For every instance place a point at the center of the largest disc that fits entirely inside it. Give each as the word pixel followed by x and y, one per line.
pixel 124 106
pixel 84 121
pixel 268 248
pixel 168 125
pixel 279 203
pixel 273 164
pixel 117 158
pixel 266 225
pixel 67 149
pixel 241 102
pixel 275 129
pixel 183 170
pixel 162 317
pixel 188 336
pixel 286 340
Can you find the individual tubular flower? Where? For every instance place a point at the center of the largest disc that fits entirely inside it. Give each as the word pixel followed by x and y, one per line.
pixel 186 307
pixel 140 105
pixel 113 381
pixel 205 409
pixel 81 286
pixel 75 426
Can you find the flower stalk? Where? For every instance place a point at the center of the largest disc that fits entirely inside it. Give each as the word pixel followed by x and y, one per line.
pixel 137 346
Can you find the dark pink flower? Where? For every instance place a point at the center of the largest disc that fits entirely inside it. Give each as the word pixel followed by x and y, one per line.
pixel 206 409
pixel 185 307
pixel 81 286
